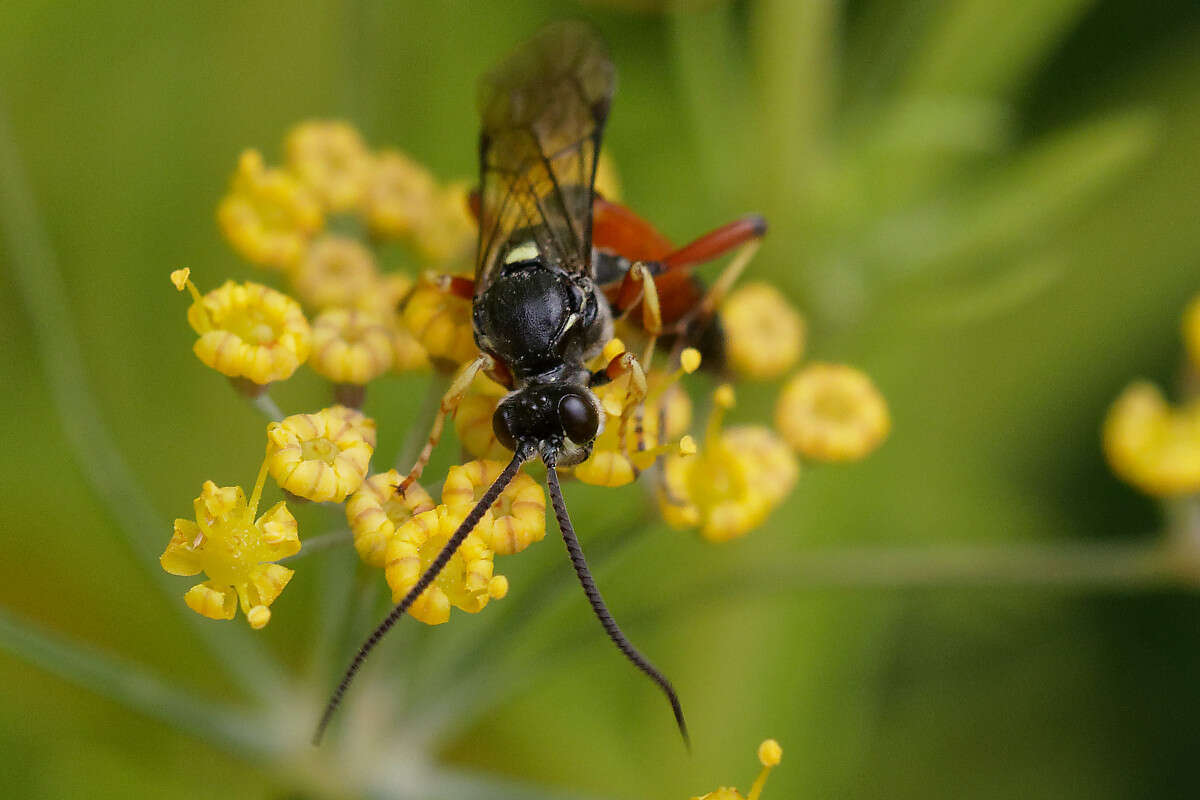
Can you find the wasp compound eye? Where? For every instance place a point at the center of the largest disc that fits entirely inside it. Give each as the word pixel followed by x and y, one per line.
pixel 578 417
pixel 502 427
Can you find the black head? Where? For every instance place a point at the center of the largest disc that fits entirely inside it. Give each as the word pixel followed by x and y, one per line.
pixel 558 416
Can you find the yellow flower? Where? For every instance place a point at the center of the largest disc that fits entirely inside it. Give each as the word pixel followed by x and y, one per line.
pixel 1151 445
pixel 764 334
pixel 735 480
pixel 769 755
pixel 832 412
pixel 440 322
pixel 399 194
pixel 350 346
pixel 322 457
pixel 247 330
pixel 378 508
pixel 467 582
pixel 335 271
pixel 235 551
pixel 385 294
pixel 619 453
pixel 447 232
pixel 330 158
pixel 268 215
pixel 473 420
pixel 1191 332
pixel 518 517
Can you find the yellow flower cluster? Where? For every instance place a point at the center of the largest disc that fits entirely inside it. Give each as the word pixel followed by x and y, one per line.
pixel 738 476
pixel 368 319
pixel 404 531
pixel 235 550
pixel 630 440
pixel 769 755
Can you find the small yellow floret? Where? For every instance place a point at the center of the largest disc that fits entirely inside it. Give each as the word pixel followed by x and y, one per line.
pixel 378 508
pixel 335 271
pixel 518 517
pixel 179 278
pixel 1151 445
pixel 330 158
pixel 441 323
pixel 399 194
pixel 248 330
pixel 268 215
pixel 729 486
pixel 764 334
pixel 235 550
pixel 832 412
pixel 322 457
pixel 350 346
pixel 465 583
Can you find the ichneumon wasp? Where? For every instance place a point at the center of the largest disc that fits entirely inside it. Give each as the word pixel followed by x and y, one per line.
pixel 555 266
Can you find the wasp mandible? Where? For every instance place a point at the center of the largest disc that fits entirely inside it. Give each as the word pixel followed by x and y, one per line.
pixel 555 266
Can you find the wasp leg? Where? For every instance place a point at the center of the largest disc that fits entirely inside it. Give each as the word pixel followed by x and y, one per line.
pixel 450 400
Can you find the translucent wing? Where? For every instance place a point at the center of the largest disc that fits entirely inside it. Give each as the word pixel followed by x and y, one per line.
pixel 543 112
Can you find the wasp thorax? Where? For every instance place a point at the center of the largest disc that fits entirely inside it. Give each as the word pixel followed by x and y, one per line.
pixel 547 414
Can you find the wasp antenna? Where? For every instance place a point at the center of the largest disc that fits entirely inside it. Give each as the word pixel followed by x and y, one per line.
pixel 599 608
pixel 443 558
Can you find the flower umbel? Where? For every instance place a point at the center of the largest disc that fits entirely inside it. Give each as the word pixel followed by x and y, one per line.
pixel 247 330
pixel 832 412
pixel 321 457
pixel 235 550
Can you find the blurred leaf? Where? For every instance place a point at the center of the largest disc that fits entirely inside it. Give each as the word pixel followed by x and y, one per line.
pixel 987 47
pixel 131 686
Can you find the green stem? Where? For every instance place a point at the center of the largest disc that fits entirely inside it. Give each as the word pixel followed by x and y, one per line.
pixel 42 292
pixel 131 686
pixel 268 407
pixel 316 544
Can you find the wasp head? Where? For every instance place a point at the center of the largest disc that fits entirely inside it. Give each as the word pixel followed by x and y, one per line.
pixel 559 417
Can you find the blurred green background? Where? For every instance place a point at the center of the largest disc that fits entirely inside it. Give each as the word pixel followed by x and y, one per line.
pixel 992 207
